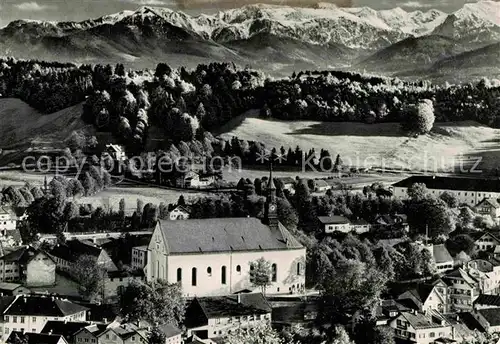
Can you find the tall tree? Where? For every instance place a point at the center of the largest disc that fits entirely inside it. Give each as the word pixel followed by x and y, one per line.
pixel 260 273
pixel 90 277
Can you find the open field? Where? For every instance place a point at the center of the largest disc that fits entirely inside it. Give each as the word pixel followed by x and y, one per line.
pixel 364 145
pixel 22 126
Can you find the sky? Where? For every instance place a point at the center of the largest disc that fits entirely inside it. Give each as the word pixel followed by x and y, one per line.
pixel 77 10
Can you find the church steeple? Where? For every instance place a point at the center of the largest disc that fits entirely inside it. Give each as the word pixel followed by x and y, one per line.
pixel 271 205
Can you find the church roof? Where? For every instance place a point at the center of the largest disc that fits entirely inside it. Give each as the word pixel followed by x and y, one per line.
pixel 225 235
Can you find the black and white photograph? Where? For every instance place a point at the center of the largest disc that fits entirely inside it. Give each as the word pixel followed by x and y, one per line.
pixel 249 172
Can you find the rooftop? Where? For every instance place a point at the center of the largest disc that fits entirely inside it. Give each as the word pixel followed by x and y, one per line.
pixel 170 330
pixel 225 235
pixel 43 306
pixel 250 304
pixel 452 183
pixel 492 315
pixel 490 202
pixel 22 255
pixel 441 254
pixel 490 300
pixel 329 220
pixel 66 329
pixel 35 338
pixel 5 286
pixel 420 320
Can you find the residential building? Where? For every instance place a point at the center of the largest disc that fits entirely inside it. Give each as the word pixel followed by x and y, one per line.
pixel 211 257
pixel 463 289
pixel 360 226
pixel 128 333
pixel 288 184
pixel 488 206
pixel 442 258
pixel 66 255
pixel 67 329
pixel 139 257
pixel 28 265
pixel 321 185
pixel 173 335
pixel 117 152
pixel 12 289
pixel 469 191
pixel 31 313
pixel 116 281
pixel 8 221
pixel 89 333
pixel 488 272
pixel 180 212
pixel 335 224
pixel 36 338
pixel 489 318
pixel 422 328
pixel 426 296
pixel 210 317
pixel 486 242
pixel 396 221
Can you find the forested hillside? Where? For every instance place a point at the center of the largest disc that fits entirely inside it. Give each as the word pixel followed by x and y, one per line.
pixel 180 104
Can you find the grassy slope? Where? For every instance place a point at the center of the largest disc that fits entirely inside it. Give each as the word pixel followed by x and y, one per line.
pixel 23 127
pixel 373 145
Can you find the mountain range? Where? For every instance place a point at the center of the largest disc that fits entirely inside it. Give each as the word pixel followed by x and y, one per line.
pixel 275 38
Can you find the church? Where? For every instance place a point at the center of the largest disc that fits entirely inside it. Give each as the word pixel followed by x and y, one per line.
pixel 212 257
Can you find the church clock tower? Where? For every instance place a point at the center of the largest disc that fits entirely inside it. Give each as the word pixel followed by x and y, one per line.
pixel 271 214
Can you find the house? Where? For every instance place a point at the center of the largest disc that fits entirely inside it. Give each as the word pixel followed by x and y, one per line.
pixel 67 329
pixel 180 212
pixel 36 338
pixel 89 333
pixel 487 271
pixel 66 255
pixel 335 223
pixel 421 328
pixel 288 184
pixel 8 221
pixel 210 317
pixel 442 258
pixel 117 152
pixel 116 281
pixel 392 221
pixel 12 289
pixel 128 333
pixel 489 318
pixel 360 226
pixel 173 335
pixel 486 242
pixel 425 296
pixel 31 313
pixel 212 257
pixel 139 257
pixel 488 206
pixel 321 185
pixel 463 289
pixel 28 265
pixel 467 190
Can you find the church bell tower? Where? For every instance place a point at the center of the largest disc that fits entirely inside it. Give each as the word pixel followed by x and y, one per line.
pixel 271 215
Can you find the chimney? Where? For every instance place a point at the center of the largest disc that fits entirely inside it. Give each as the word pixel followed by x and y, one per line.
pixel 239 298
pixel 105 320
pixel 50 332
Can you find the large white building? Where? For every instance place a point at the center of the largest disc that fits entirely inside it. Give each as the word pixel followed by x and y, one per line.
pixel 8 221
pixel 470 191
pixel 212 257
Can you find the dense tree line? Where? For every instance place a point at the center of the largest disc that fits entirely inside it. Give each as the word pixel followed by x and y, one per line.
pixel 183 104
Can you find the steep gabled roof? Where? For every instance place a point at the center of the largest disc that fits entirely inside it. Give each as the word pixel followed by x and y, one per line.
pixel 225 235
pixel 67 329
pixel 170 330
pixel 23 255
pixel 492 315
pixel 43 306
pixel 441 254
pixel 36 338
pixel 489 202
pixel 490 300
